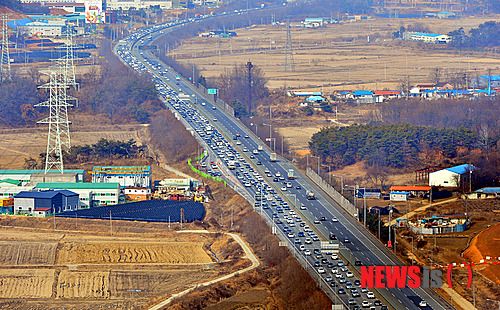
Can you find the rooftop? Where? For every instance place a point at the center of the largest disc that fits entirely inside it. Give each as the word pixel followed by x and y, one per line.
pixel 79 185
pixel 410 188
pixel 27 171
pixel 461 169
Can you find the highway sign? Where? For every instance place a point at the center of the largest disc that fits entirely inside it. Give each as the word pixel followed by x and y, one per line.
pixel 212 91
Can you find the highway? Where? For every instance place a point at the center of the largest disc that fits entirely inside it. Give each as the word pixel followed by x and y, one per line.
pixel 299 222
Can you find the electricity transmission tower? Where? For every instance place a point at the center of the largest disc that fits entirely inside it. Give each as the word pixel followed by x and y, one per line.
pixel 66 63
pixel 288 65
pixel 58 138
pixel 5 73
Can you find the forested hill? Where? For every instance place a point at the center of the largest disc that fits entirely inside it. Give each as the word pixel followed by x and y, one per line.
pixel 388 145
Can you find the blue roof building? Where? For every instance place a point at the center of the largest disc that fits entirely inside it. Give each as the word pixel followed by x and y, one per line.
pixel 42 203
pixel 450 177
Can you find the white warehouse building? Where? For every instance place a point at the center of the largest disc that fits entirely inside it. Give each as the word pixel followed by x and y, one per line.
pixel 91 194
pixel 450 177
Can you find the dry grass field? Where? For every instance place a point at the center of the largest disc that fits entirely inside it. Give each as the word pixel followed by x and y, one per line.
pixel 85 269
pixel 337 56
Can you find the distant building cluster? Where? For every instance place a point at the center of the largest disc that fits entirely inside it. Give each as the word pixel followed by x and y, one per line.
pixel 34 193
pixel 435 38
pixel 218 34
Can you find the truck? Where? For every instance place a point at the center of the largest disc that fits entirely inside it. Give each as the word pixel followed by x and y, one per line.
pixel 310 195
pixel 291 174
pixel 260 148
pixel 177 77
pixel 272 158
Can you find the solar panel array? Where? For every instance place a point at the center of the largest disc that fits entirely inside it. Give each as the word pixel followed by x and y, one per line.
pixel 149 211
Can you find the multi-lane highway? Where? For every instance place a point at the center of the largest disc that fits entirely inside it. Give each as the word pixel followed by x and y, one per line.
pixel 298 221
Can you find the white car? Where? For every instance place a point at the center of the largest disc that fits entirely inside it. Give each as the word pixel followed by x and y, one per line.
pixel 321 270
pixel 422 304
pixel 370 295
pixel 307 252
pixel 255 152
pixel 283 188
pixel 335 256
pixel 335 219
pixel 349 274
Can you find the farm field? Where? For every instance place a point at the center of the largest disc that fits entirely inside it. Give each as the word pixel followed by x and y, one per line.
pixel 45 269
pixel 338 56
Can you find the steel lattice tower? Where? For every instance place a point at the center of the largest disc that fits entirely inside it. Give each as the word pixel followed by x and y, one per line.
pixel 5 73
pixel 288 65
pixel 58 138
pixel 66 63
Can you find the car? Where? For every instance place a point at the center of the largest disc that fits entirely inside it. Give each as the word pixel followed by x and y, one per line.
pixel 422 304
pixel 372 296
pixel 364 290
pixel 355 293
pixel 317 264
pixel 341 291
pixel 335 256
pixel 351 301
pixel 384 307
pixel 323 260
pixel 297 241
pixel 340 263
pixel 278 221
pixel 365 304
pixel 358 263
pixel 328 278
pixel 283 188
pixel 298 187
pixel 321 270
pixel 252 156
pixel 342 280
pixel 323 218
pixel 307 252
pixel 377 303
pixel 214 108
pixel 346 240
pixel 333 284
pixel 308 241
pixel 246 137
pixel 291 235
pixel 335 270
pixel 245 149
pixel 302 207
pixel 278 174
pixel 316 221
pixel 330 265
pixel 349 274
pixel 335 219
pixel 357 282
pixel 348 285
pixel 276 180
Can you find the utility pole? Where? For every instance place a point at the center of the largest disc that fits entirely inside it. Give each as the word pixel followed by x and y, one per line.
pixel 110 223
pixel 232 216
pixel 249 66
pixel 288 64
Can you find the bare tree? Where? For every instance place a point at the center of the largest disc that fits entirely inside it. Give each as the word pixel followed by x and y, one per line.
pixel 484 133
pixel 435 75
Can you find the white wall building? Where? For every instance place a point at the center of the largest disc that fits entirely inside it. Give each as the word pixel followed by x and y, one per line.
pixel 138 4
pixel 125 175
pixel 449 177
pixel 91 194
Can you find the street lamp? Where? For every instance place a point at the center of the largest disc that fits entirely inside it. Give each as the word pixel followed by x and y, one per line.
pixel 270 133
pixel 411 247
pixel 256 128
pixel 329 175
pixel 341 183
pixel 473 294
pixel 390 213
pixel 378 223
pixel 497 301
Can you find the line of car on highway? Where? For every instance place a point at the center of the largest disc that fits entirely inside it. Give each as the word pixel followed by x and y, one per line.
pixel 327 265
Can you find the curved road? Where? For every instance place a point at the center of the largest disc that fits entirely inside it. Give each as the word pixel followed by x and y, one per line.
pixel 248 254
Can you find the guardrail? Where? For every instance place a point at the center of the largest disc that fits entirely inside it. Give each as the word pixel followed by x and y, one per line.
pixel 332 192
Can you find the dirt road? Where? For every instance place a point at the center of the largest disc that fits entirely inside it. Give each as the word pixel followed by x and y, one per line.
pixel 248 254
